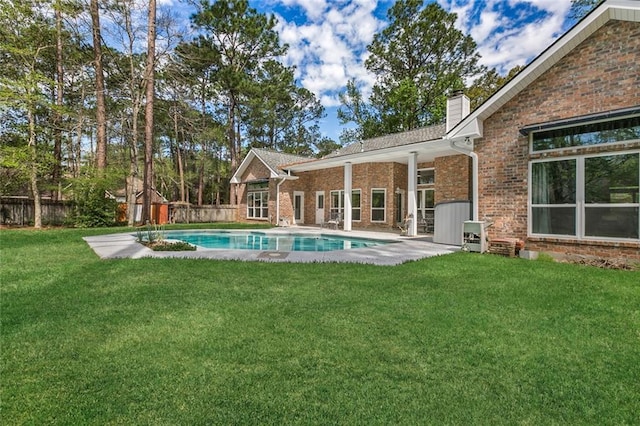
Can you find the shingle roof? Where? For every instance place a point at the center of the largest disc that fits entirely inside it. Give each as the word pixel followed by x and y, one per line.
pixel 276 159
pixel 396 139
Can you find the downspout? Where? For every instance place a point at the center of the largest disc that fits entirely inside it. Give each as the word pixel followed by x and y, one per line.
pixel 474 166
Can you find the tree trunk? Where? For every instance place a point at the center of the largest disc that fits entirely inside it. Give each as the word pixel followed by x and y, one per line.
pixel 233 151
pixel 148 112
pixel 201 181
pixel 57 139
pixel 179 155
pixel 101 112
pixel 33 172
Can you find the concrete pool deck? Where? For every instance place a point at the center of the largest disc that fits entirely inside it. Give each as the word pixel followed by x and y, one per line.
pixel 403 249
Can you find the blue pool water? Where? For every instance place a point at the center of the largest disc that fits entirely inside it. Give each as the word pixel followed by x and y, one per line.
pixel 239 240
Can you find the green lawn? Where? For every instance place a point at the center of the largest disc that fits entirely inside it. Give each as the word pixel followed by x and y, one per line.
pixel 458 339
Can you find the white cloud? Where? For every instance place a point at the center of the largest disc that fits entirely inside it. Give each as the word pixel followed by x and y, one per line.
pixel 330 49
pixel 327 38
pixel 510 32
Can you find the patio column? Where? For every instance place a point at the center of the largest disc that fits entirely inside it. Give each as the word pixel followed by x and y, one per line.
pixel 412 185
pixel 347 197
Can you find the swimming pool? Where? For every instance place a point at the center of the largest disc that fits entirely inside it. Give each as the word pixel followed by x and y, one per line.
pixel 251 240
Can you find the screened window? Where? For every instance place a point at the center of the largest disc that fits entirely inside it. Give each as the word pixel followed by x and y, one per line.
pixel 378 203
pixel 587 196
pixel 258 200
pixel 620 130
pixel 337 206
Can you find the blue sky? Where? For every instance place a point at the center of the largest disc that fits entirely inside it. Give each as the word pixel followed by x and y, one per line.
pixel 328 38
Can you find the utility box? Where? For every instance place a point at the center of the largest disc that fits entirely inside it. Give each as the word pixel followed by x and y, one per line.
pixel 473 236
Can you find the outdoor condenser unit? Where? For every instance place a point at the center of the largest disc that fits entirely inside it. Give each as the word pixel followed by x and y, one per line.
pixel 473 236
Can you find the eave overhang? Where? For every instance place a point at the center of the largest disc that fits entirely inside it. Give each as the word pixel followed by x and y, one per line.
pixel 427 151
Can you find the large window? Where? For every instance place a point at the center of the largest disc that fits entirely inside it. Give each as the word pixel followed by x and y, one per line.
pixel 598 133
pixel 378 204
pixel 337 206
pixel 258 200
pixel 587 196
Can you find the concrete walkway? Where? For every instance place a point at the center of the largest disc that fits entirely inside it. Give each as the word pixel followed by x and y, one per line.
pixel 402 249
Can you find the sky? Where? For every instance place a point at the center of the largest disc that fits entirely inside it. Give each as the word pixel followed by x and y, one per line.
pixel 328 38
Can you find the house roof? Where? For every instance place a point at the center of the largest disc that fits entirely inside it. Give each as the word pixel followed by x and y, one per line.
pixel 271 159
pixel 427 142
pixel 121 193
pixel 625 10
pixel 396 139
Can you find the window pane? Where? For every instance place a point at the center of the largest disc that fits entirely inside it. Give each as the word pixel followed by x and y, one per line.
pixel 613 222
pixel 428 195
pixel 377 215
pixel 355 214
pixel 612 179
pixel 554 182
pixel 588 134
pixel 355 199
pixel 554 220
pixel 377 198
pixel 426 177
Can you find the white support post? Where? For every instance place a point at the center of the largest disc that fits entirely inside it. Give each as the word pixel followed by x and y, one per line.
pixel 347 197
pixel 412 185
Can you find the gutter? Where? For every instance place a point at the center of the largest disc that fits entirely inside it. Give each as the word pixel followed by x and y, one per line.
pixel 474 164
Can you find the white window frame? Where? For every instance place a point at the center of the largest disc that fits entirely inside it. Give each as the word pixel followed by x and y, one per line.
pixel 263 208
pixel 340 208
pixel 580 205
pixel 579 147
pixel 383 208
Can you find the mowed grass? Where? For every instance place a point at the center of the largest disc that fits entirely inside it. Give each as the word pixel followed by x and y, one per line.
pixel 457 339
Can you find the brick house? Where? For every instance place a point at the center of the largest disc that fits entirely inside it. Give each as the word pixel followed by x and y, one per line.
pixel 552 158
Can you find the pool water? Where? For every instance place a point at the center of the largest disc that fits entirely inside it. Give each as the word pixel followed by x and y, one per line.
pixel 238 240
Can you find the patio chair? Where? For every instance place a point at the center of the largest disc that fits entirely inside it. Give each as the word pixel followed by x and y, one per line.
pixel 425 223
pixel 335 220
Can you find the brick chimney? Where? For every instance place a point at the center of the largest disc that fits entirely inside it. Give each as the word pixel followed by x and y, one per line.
pixel 458 107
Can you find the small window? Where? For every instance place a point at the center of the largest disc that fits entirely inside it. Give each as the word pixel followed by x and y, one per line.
pixel 426 177
pixel 378 203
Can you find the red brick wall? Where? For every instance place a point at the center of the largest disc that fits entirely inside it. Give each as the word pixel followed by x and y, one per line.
pixel 452 183
pixel 601 74
pixel 452 178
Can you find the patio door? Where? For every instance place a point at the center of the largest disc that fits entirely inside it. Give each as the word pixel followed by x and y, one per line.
pixel 298 207
pixel 319 207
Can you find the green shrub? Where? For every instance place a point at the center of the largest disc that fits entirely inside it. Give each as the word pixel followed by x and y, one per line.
pixel 172 246
pixel 92 207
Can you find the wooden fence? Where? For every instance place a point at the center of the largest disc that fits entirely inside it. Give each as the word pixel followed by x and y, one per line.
pixel 20 211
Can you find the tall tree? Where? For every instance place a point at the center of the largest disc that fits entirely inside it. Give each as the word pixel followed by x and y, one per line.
pixel 26 37
pixel 580 8
pixel 148 112
pixel 101 111
pixel 240 40
pixel 487 84
pixel 419 58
